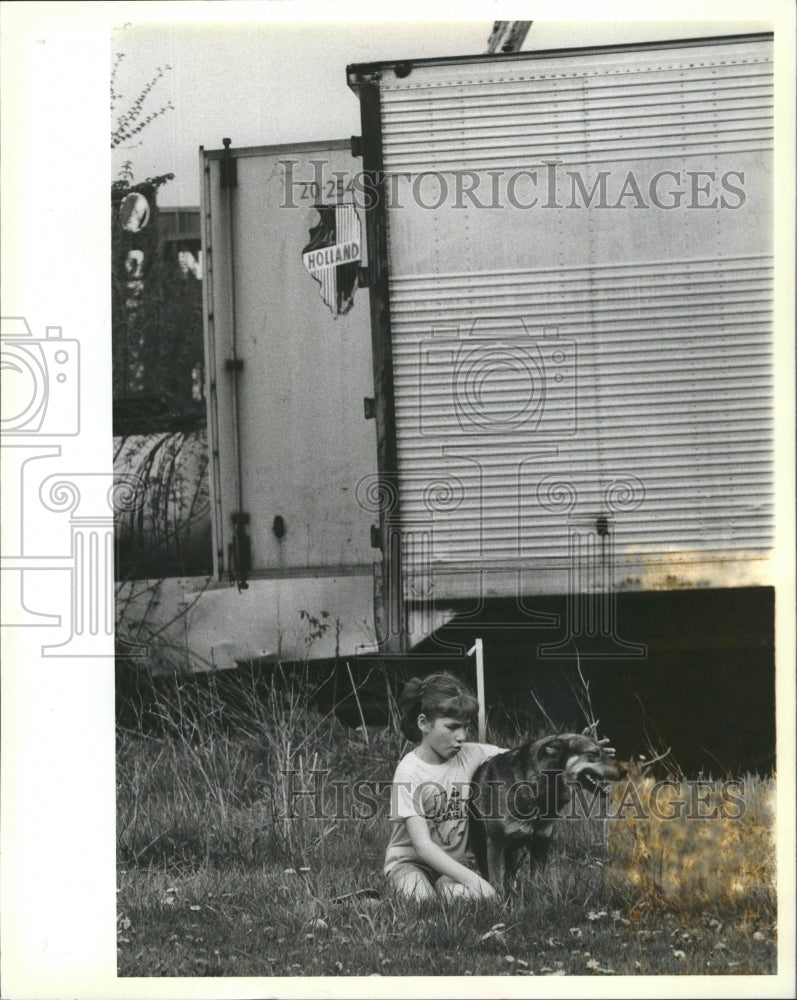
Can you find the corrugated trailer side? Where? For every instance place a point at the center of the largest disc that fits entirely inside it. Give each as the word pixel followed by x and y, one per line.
pixel 575 308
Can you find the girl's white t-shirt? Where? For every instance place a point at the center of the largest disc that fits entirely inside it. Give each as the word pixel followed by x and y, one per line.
pixel 438 792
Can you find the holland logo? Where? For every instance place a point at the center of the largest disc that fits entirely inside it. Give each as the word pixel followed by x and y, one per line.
pixel 333 255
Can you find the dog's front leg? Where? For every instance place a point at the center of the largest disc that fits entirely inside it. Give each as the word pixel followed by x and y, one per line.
pixel 540 846
pixel 495 863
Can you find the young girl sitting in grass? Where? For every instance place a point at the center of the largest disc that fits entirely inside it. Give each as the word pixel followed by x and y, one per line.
pixel 428 848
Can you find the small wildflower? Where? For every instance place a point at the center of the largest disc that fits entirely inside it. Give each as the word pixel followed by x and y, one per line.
pixel 677 953
pixel 509 958
pixel 289 871
pixel 758 936
pixel 194 907
pixel 319 924
pixel 596 914
pixel 594 966
pixel 576 932
pixel 523 963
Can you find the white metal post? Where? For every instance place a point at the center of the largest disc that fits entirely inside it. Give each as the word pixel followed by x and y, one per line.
pixel 478 649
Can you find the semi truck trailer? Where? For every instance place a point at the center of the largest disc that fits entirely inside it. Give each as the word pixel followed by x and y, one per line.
pixel 510 345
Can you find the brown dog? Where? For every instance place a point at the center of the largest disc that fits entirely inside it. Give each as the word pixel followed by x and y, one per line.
pixel 517 795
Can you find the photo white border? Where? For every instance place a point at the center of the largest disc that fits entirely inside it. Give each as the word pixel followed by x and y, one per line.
pixel 58 783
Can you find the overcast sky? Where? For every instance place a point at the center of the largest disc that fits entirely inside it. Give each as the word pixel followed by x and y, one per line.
pixel 266 82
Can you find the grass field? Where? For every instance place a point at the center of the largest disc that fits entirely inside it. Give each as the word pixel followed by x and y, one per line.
pixel 216 879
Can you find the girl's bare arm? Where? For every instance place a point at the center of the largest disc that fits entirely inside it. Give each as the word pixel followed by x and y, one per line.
pixel 436 858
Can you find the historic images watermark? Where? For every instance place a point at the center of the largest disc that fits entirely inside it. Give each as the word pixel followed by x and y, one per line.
pixel 474 395
pixel 549 185
pixel 316 795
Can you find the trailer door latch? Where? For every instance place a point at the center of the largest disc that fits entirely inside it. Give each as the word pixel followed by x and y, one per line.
pixel 240 551
pixel 229 167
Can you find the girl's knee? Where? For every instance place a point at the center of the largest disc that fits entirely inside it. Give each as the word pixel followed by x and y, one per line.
pixel 412 885
pixel 417 889
pixel 448 889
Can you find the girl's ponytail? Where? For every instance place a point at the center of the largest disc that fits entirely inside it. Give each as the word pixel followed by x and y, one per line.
pixel 411 704
pixel 435 696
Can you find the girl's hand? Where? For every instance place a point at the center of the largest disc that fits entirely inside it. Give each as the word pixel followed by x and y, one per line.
pixel 609 751
pixel 479 886
pixel 592 732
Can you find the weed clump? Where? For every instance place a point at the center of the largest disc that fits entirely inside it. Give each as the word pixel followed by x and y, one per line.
pixel 693 845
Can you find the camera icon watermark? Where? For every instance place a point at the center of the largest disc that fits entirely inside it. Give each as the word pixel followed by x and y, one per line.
pixel 475 385
pixel 41 400
pixel 40 381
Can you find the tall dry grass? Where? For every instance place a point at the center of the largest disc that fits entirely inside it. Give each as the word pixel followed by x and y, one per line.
pixel 219 876
pixel 234 779
pixel 693 844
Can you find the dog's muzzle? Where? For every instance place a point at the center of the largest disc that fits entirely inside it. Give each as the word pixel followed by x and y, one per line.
pixel 592 775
